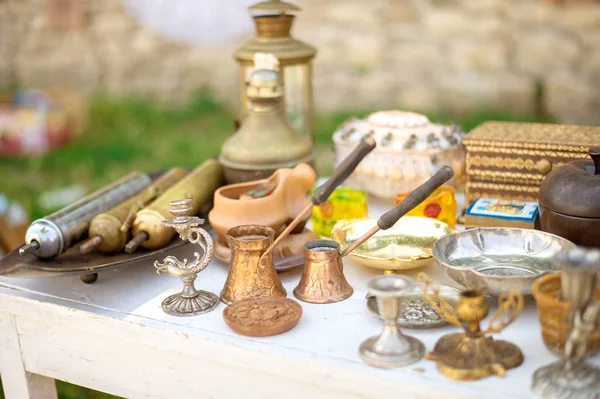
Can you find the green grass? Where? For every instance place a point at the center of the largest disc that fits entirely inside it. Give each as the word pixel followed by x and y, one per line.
pixel 133 134
pixel 123 135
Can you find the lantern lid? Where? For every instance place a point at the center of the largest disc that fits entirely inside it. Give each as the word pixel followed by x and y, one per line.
pixel 273 24
pixel 273 37
pixel 274 6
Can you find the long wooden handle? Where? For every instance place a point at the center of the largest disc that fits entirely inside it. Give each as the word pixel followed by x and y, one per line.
pixel 419 195
pixel 341 173
pixel 390 218
pixel 321 194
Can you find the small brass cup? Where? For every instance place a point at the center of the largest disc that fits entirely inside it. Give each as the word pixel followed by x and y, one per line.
pixel 472 306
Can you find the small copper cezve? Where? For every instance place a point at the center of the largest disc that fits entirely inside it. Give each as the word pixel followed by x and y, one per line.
pixel 262 316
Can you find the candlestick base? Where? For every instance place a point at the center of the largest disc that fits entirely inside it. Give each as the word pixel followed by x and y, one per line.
pixel 404 351
pixel 558 381
pixel 462 357
pixel 182 306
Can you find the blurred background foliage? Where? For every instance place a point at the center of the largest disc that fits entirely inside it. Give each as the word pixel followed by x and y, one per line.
pixel 126 134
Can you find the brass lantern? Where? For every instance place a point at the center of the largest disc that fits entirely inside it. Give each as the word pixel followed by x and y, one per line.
pixel 265 140
pixel 273 21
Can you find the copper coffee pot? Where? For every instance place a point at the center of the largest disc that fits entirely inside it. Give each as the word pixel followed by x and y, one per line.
pixel 252 272
pixel 247 276
pixel 323 279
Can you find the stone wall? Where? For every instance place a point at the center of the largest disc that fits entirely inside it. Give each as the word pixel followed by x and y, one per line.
pixel 430 55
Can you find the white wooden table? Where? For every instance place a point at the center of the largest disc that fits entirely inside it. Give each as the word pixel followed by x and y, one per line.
pixel 112 336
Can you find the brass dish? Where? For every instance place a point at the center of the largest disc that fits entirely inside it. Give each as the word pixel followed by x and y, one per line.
pixel 407 245
pixel 498 260
pixel 262 316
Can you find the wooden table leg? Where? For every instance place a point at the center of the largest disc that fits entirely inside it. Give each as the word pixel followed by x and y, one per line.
pixel 16 381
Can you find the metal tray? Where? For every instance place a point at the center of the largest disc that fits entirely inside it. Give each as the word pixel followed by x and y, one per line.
pixel 72 262
pixel 415 311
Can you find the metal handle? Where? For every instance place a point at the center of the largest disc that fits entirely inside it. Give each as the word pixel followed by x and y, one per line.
pixel 510 305
pixel 341 173
pixel 437 301
pixel 415 198
pixel 419 195
pixel 595 154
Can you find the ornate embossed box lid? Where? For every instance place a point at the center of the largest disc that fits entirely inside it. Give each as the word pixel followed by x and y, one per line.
pixel 542 136
pixel 574 189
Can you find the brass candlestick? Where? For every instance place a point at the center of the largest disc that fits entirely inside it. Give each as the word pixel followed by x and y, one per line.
pixel 391 348
pixel 572 377
pixel 189 302
pixel 474 354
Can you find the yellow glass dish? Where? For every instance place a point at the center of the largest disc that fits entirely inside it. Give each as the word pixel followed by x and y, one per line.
pixel 344 203
pixel 440 205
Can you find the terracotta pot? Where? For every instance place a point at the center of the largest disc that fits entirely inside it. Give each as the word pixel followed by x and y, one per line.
pixel 274 210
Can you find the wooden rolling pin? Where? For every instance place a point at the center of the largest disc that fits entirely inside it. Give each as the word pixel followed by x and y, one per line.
pixel 200 185
pixel 105 232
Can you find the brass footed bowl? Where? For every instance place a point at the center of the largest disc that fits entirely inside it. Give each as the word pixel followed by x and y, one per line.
pixel 407 245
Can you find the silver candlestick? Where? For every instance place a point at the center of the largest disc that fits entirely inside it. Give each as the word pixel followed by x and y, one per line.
pixel 189 302
pixel 391 348
pixel 571 377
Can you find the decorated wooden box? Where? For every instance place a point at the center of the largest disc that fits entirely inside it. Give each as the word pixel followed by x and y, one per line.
pixel 509 160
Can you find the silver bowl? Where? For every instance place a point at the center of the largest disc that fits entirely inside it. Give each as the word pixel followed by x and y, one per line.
pixel 499 259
